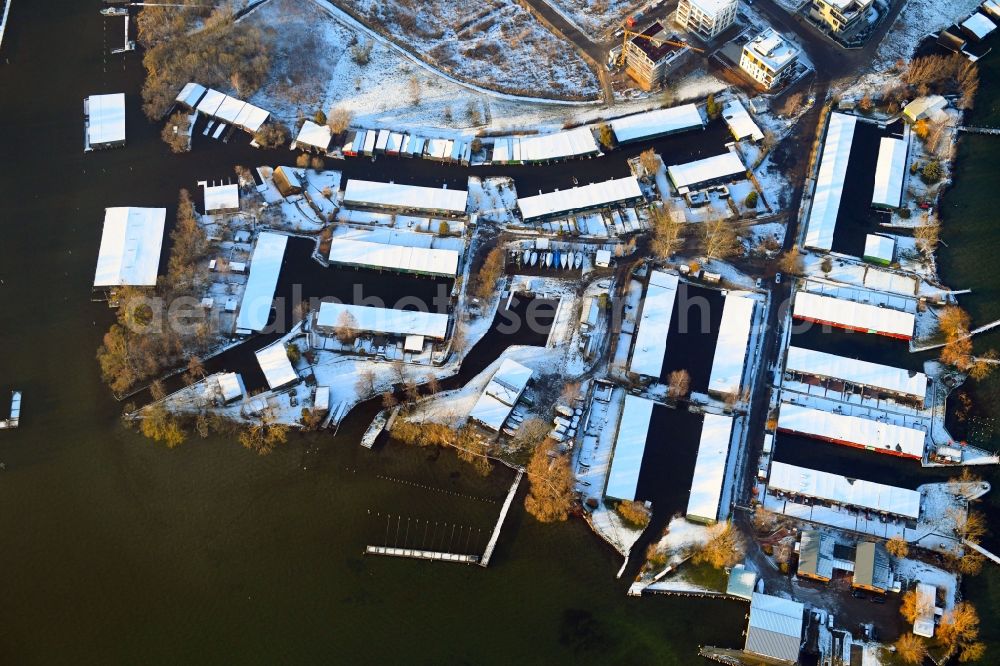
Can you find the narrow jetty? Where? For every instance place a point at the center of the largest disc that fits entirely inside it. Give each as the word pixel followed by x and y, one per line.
pixel 413 553
pixel 982 551
pixel 488 553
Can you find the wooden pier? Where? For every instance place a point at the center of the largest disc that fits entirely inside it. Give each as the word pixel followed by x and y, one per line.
pixel 413 553
pixel 982 551
pixel 488 553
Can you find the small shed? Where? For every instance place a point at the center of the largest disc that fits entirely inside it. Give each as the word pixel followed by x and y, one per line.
pixel 321 399
pixel 741 582
pixel 222 198
pixel 314 137
pixel 287 181
pixel 871 567
pixel 879 249
pixel 924 107
pixel 602 259
pixel 413 343
pixel 775 628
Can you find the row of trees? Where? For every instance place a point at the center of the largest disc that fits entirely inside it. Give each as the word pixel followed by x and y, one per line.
pixel 217 53
pixel 953 323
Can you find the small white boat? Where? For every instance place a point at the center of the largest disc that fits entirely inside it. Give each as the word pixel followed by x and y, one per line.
pixel 548 260
pixel 564 260
pixel 571 260
pixel 534 259
pixel 527 256
pixel 578 262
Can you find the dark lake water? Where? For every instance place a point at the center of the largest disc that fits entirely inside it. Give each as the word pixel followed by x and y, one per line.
pixel 120 551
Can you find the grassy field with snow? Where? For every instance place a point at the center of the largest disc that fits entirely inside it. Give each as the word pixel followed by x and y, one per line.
pixel 597 18
pixel 495 43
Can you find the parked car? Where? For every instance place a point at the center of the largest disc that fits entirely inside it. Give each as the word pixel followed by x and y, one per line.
pixel 777 278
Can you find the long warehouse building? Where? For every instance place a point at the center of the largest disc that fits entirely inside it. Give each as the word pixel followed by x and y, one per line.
pixel 853 316
pixel 382 321
pixel 402 258
pixel 577 199
pixel 577 142
pixel 855 431
pixel 630 445
pixel 710 469
pixel 265 267
pixel 652 124
pixel 717 168
pixel 373 194
pixel 897 381
pixel 654 323
pixel 731 347
pixel 822 220
pixel 889 173
pixel 837 489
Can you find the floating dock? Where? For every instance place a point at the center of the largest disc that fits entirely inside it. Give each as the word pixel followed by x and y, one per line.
pixel 375 429
pixel 413 553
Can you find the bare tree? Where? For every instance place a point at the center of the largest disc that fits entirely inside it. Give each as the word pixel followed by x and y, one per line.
pixel 721 241
pixel 339 119
pixel 678 384
pixel 649 161
pixel 346 329
pixel 667 232
pixel 366 382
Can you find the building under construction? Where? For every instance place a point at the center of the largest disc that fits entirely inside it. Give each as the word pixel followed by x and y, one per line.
pixel 652 54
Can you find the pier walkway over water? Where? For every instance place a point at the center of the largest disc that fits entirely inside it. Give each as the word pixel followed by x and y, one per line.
pixel 488 553
pixel 422 554
pixel 979 130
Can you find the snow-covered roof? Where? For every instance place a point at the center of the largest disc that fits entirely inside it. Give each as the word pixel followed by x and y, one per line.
pixel 311 134
pixel 191 94
pixel 889 172
pixel 265 266
pixel 979 25
pixel 230 109
pixel 707 169
pixel 843 490
pixel 880 248
pixel 775 627
pixel 655 123
pixel 230 386
pixel 501 394
pixel 854 316
pixel 105 119
pixel 651 336
pixel 222 197
pixel 630 443
pixel 923 107
pixel 710 468
pixel 211 102
pixel 251 118
pixel 712 7
pixel 739 121
pixel 130 247
pixel 274 363
pixel 991 7
pixel 321 398
pixel 830 181
pixel 741 582
pixel 412 197
pixel 421 260
pixel 884 377
pixel 923 625
pixel 852 430
pixel 770 48
pixel 385 321
pixel 580 198
pixel 559 145
pixel 731 348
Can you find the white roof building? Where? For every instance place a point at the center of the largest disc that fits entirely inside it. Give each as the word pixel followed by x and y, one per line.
pixel 924 107
pixel 657 123
pixel 651 334
pixel 706 18
pixel 230 109
pixel 265 267
pixel 731 347
pixel 419 260
pixel 191 94
pixel 843 490
pixel 853 431
pixel 710 469
pixel 501 394
pixel 211 102
pixel 978 26
pixel 576 142
pixel 740 123
pixel 222 198
pixel 889 173
pixel 708 170
pixel 314 136
pixel 105 120
pixel 768 57
pixel 830 181
pixel 251 118
pixel 860 373
pixel 630 443
pixel 775 627
pixel 230 386
pixel 585 197
pixel 384 321
pixel 408 197
pixel 879 249
pixel 277 369
pixel 130 247
pixel 923 625
pixel 853 316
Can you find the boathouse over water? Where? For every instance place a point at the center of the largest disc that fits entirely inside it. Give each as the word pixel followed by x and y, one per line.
pixel 105 121
pixel 392 196
pixel 130 247
pixel 614 192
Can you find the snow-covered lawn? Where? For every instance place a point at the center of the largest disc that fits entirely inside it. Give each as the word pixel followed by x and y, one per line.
pixel 495 43
pixel 596 18
pixel 918 19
